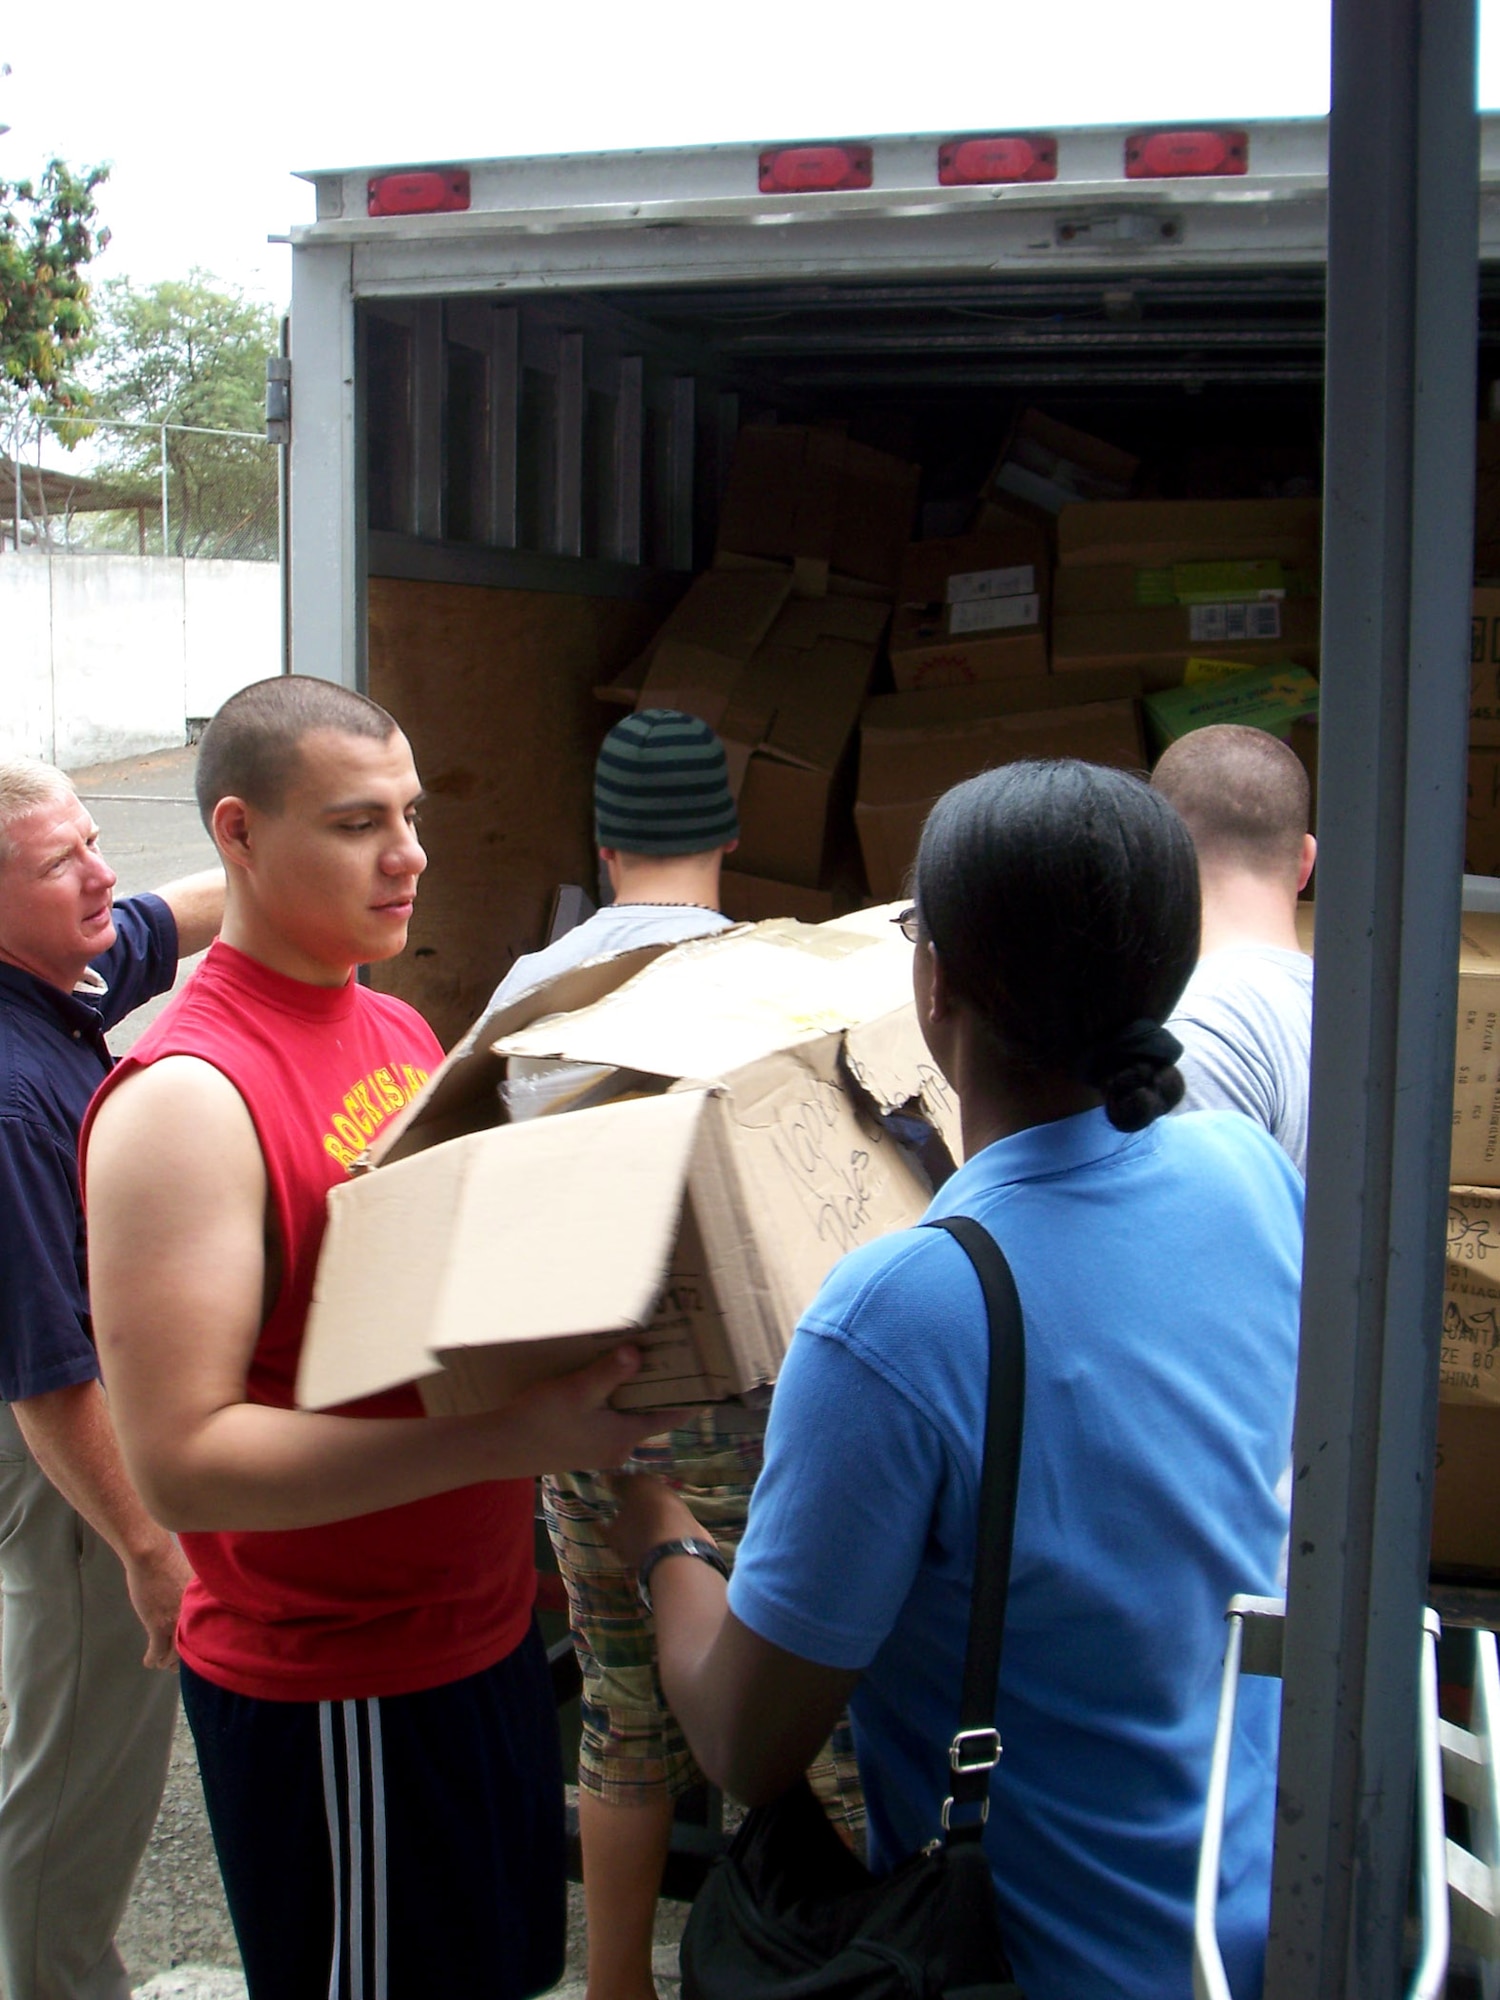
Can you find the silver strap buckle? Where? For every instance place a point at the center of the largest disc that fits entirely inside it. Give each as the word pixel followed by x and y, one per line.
pixel 984 1812
pixel 973 1750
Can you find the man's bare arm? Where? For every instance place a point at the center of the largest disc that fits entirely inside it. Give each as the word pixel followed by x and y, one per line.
pixel 176 1194
pixel 69 1434
pixel 197 904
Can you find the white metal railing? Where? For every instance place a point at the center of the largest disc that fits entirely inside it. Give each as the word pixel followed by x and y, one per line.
pixel 1458 1887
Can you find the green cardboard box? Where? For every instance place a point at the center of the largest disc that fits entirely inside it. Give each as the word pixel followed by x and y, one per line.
pixel 1271 698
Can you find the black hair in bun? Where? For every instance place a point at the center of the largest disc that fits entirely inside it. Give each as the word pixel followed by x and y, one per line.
pixel 1062 899
pixel 1136 1073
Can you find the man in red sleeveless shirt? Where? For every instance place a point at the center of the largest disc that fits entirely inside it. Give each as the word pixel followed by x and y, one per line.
pixel 367 1693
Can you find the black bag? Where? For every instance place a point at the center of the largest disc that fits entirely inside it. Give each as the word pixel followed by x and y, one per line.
pixel 789 1913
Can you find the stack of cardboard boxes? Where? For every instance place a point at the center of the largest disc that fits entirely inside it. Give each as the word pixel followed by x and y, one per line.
pixel 1066 620
pixel 1119 614
pixel 1466 1493
pixel 775 648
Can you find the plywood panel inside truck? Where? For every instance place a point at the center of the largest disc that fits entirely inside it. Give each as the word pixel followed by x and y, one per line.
pixel 495 690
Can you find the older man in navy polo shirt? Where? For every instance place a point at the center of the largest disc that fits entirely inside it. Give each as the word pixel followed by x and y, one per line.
pixel 91 1583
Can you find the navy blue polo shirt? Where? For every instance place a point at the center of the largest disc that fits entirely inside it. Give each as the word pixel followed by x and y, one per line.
pixel 53 1058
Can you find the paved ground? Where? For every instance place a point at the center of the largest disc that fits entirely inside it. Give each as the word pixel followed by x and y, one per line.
pixel 176 1938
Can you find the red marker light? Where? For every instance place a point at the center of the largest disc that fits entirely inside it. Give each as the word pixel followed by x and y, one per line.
pixel 420 191
pixel 815 169
pixel 1165 156
pixel 997 157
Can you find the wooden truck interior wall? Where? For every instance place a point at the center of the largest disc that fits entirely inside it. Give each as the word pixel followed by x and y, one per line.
pixel 543 474
pixel 506 756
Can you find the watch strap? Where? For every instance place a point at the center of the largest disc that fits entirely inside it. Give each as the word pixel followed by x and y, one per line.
pixel 680 1545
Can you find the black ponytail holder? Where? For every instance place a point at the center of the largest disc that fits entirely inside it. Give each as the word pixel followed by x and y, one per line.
pixel 1146 1042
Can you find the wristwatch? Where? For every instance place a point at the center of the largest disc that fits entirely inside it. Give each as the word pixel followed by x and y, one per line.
pixel 682 1545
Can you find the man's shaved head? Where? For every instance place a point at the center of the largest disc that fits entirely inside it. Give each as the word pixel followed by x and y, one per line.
pixel 250 748
pixel 1244 796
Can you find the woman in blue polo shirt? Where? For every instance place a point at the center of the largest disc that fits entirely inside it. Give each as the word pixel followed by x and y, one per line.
pixel 1157 1261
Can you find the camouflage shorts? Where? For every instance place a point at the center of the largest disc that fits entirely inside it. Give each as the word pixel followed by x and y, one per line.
pixel 632 1749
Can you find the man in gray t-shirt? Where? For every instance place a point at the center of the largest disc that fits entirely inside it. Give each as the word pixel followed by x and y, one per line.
pixel 1245 1018
pixel 664 819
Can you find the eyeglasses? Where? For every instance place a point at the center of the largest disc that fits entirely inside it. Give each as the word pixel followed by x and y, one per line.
pixel 906 921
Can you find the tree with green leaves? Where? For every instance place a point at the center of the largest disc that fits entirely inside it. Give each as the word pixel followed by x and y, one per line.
pixel 47 240
pixel 191 354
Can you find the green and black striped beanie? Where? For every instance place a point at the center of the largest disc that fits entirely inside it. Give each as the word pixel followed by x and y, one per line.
pixel 661 786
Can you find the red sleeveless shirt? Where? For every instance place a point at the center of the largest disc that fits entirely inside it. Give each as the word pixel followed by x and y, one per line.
pixel 389 1603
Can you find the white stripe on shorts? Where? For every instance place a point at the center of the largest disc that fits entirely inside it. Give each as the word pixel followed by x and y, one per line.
pixel 348 1802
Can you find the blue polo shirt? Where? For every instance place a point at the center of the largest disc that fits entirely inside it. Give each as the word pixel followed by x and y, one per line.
pixel 53 1058
pixel 1159 1275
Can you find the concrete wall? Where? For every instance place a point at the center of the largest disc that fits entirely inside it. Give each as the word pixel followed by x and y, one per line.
pixel 107 656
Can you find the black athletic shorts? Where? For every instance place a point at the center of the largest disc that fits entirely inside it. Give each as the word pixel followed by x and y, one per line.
pixel 409 1848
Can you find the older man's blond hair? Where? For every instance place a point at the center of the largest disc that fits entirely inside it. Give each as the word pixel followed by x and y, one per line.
pixel 25 784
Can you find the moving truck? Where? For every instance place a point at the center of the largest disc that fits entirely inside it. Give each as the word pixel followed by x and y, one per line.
pixel 515 389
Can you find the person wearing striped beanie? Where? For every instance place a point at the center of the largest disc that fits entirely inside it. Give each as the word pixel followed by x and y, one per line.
pixel 664 819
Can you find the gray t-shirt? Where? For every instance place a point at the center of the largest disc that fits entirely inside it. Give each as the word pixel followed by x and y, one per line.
pixel 1245 1024
pixel 619 927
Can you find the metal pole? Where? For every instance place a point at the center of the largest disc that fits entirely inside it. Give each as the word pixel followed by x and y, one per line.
pixel 166 546
pixel 1399 460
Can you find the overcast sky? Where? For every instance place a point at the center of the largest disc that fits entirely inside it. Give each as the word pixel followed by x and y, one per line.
pixel 207 111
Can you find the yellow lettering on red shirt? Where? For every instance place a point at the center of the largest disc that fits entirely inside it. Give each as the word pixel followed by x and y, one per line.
pixel 366 1107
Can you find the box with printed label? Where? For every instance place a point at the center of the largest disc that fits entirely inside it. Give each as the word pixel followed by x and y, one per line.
pixel 817 499
pixel 1050 465
pixel 1160 639
pixel 1272 699
pixel 914 746
pixel 1119 587
pixel 971 608
pixel 1469 1361
pixel 1476 1077
pixel 722 1148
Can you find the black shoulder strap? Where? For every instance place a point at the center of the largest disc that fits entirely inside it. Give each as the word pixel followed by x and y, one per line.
pixel 976 1748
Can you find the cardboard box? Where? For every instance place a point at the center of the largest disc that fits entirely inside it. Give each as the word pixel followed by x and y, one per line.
pixel 792 719
pixel 1487 500
pixel 700 653
pixel 1476 1082
pixel 782 679
pixel 971 608
pixel 1482 819
pixel 1117 587
pixel 696 1213
pixel 1154 534
pixel 1051 465
pixel 1484 656
pixel 1161 639
pixel 816 499
pixel 1469 1367
pixel 1272 700
pixel 1303 738
pixel 1466 1492
pixel 753 899
pixel 913 747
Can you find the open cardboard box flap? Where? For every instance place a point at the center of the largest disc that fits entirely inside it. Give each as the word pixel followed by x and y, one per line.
pixel 414 1256
pixel 718 1003
pixel 698 1212
pixel 460 1094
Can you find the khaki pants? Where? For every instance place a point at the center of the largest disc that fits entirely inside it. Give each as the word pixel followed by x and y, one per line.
pixel 85 1756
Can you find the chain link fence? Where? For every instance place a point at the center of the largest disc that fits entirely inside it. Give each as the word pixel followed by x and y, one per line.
pixel 186 491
